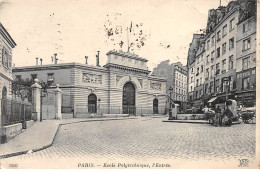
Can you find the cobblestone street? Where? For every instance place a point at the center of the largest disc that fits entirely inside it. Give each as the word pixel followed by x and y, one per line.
pixel 147 138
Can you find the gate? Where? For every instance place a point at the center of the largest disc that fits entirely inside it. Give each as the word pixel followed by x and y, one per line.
pixel 129 99
pixel 48 105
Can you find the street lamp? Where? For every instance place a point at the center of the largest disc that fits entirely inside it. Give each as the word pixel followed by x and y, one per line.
pixel 170 109
pixel 226 79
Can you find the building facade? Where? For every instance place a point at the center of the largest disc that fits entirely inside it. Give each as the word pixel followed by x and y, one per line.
pixel 123 85
pixel 6 46
pixel 228 46
pixel 176 76
pixel 246 56
pixel 192 67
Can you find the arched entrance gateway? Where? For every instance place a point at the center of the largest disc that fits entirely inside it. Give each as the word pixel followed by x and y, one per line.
pixel 129 98
pixel 155 106
pixel 92 103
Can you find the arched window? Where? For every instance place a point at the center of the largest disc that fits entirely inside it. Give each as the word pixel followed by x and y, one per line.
pixel 155 106
pixel 92 103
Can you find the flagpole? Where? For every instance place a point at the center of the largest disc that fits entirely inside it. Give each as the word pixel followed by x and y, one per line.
pixel 127 41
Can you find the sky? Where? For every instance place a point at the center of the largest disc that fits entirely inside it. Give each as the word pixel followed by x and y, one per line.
pixel 157 30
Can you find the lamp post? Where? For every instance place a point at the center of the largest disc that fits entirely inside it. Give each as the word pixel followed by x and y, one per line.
pixel 170 108
pixel 226 79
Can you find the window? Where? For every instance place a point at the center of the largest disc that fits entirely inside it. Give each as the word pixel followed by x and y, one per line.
pixel 217 85
pixel 208 42
pixel 231 43
pixel 218 52
pixel 217 68
pixel 207 58
pixel 246 63
pixel 200 81
pixel 207 73
pixel 197 82
pixel 198 71
pixel 224 48
pixel 212 55
pixel 191 88
pixel 18 77
pixel 246 84
pixel 246 44
pixel 230 62
pixel 177 75
pixel 246 27
pixel 33 76
pixel 212 71
pixel 212 41
pixel 6 58
pixel 191 79
pixel 201 69
pixel 224 31
pixel 211 87
pixel 218 36
pixel 50 77
pixel 224 65
pixel 232 24
pixel 206 88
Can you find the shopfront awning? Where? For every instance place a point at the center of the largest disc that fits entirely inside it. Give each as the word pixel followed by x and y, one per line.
pixel 212 99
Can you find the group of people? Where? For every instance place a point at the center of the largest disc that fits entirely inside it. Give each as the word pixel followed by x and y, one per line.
pixel 221 117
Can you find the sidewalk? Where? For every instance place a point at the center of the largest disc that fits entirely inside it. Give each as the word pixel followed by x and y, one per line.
pixel 41 135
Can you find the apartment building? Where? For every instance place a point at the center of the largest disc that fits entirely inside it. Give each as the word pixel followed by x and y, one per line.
pixel 228 49
pixel 246 55
pixel 176 77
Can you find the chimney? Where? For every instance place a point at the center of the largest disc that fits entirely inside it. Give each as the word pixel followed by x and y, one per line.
pixel 55 58
pixel 37 61
pixel 41 61
pixel 86 57
pixel 97 56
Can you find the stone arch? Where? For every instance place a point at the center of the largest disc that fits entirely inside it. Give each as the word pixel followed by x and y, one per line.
pixel 129 98
pixel 131 79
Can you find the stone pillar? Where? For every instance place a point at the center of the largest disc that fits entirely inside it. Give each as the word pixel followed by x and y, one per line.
pixel 36 100
pixel 58 94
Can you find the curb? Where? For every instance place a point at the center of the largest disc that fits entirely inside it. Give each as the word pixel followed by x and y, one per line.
pixel 50 144
pixel 191 122
pixel 206 122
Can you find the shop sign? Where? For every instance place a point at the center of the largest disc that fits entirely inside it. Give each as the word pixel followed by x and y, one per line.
pixel 246 73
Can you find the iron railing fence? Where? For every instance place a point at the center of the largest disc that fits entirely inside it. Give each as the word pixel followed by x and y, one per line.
pixel 13 112
pixel 108 109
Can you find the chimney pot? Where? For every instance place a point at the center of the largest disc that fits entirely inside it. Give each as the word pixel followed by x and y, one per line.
pixel 97 58
pixel 86 57
pixel 41 61
pixel 37 61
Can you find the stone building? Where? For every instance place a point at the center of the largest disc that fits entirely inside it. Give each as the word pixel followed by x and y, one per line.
pixel 122 85
pixel 176 76
pixel 191 67
pixel 229 47
pixel 6 46
pixel 246 55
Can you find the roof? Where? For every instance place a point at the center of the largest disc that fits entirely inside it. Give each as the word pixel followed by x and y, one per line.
pixel 127 54
pixel 57 66
pixel 7 36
